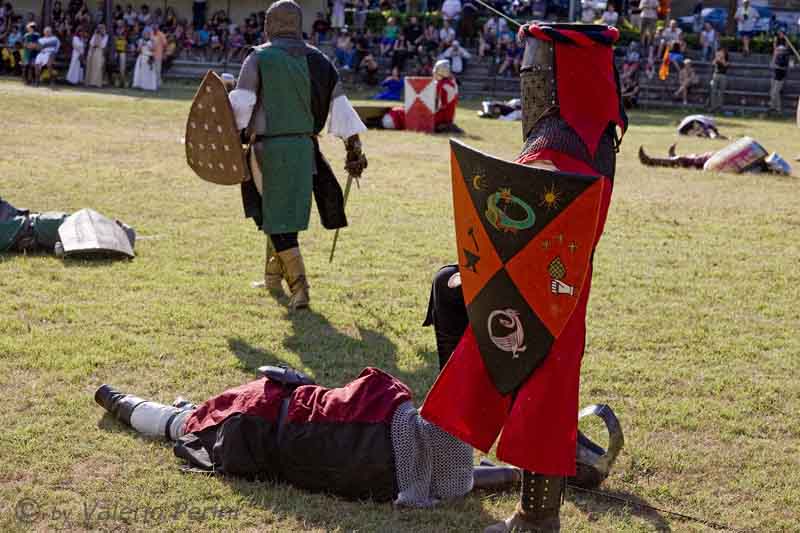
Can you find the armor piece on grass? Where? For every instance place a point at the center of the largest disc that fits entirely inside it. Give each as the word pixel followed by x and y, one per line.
pixel 284 19
pixel 699 126
pixel 592 461
pixel 88 233
pixel 213 145
pixel 524 238
pixel 740 156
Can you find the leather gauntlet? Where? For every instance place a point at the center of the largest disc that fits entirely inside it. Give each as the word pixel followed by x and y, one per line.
pixel 356 161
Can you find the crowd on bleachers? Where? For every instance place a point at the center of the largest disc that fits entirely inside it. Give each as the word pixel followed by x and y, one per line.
pixel 368 38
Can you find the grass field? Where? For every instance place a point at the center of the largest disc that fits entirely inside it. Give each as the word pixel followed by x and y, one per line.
pixel 692 331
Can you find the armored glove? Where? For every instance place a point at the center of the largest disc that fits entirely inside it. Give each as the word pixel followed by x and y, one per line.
pixel 356 161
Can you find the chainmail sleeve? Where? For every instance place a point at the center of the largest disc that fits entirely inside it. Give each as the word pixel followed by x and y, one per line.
pixel 431 465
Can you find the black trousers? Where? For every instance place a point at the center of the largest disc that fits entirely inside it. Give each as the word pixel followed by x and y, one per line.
pixel 284 241
pixel 447 313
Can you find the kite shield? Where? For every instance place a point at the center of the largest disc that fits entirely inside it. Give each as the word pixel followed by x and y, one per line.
pixel 87 233
pixel 525 237
pixel 213 147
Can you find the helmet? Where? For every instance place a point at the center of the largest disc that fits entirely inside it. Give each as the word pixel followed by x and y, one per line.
pixel 441 69
pixel 284 19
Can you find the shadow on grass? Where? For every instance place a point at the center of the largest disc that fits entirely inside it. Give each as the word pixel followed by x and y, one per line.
pixel 593 504
pixel 334 356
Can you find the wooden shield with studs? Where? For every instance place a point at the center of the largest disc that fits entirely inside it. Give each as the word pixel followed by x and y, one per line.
pixel 525 237
pixel 213 146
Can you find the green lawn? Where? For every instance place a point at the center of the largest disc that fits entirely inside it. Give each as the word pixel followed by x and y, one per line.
pixel 692 330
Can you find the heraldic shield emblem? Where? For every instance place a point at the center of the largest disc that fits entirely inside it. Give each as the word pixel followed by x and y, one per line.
pixel 213 147
pixel 525 237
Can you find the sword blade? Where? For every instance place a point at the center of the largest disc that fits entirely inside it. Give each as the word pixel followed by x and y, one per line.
pixel 344 204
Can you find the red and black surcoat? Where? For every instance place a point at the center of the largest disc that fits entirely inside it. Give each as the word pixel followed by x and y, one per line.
pixel 334 440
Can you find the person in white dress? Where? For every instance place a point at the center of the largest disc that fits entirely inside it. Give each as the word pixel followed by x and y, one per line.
pixel 75 72
pixel 145 76
pixel 96 61
pixel 48 48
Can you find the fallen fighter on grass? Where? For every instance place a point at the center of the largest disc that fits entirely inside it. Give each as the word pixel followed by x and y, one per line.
pixel 743 155
pixel 363 440
pixel 85 233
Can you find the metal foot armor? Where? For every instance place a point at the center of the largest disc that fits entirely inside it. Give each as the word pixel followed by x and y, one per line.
pixel 539 508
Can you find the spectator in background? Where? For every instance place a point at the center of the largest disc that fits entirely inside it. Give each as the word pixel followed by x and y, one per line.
pixel 216 45
pixel 57 15
pixel 469 22
pixel 144 73
pixel 96 60
pixel 361 50
pixel 487 40
pixel 344 50
pixel 48 48
pixel 320 29
pixel 360 15
pixel 649 16
pixel 588 12
pixel 746 17
pixel 708 41
pixel 170 23
pixel 144 16
pixel 719 79
pixel 446 35
pixel 337 14
pixel 129 17
pixel 370 68
pixel 401 50
pixel 458 57
pixel 413 31
pixel 202 39
pixel 697 22
pixel 30 46
pixel 451 12
pixel 392 87
pixel 121 49
pixel 512 59
pixel 159 46
pixel 198 13
pixel 780 67
pixel 669 35
pixel 687 78
pixel 390 32
pixel 610 16
pixel 236 45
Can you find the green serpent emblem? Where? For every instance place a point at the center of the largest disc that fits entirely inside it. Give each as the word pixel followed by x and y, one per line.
pixel 498 217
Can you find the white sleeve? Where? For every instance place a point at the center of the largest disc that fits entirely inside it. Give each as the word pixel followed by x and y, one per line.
pixel 344 121
pixel 242 102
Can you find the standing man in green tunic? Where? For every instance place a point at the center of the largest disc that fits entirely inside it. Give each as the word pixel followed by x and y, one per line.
pixel 285 93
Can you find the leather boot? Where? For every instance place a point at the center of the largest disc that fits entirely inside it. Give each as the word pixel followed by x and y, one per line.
pixel 274 272
pixel 295 277
pixel 539 508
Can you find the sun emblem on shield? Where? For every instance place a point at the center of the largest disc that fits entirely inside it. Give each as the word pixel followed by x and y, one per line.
pixel 550 197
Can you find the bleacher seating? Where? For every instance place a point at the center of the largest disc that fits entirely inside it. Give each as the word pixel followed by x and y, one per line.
pixel 747 91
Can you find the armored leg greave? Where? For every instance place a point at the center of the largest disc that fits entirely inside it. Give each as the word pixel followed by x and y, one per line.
pixel 539 506
pixel 149 418
pixel 296 277
pixel 447 312
pixel 692 161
